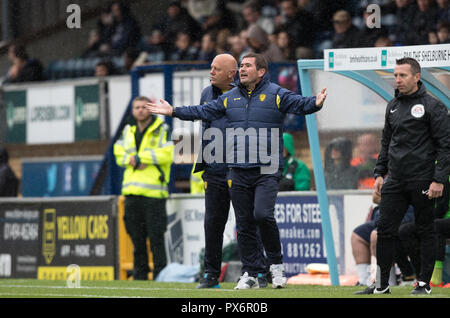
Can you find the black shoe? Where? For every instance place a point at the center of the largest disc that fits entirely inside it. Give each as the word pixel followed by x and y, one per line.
pixel 208 281
pixel 421 289
pixel 372 289
pixel 262 280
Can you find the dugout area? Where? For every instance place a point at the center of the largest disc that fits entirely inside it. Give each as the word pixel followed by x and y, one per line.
pixel 360 83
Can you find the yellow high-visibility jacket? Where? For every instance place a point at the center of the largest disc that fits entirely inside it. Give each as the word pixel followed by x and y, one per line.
pixel 196 182
pixel 155 151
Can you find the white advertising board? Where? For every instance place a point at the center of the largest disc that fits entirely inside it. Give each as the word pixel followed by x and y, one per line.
pixel 377 58
pixel 358 108
pixel 50 114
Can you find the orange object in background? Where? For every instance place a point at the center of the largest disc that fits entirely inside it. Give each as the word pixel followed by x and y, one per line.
pixel 322 279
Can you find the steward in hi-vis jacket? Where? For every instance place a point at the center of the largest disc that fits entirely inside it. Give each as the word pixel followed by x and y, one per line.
pixel 146 152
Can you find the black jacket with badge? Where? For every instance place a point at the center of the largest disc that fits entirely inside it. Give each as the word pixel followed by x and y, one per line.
pixel 415 144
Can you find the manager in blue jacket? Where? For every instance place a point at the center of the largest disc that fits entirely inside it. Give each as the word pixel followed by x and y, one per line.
pixel 254 111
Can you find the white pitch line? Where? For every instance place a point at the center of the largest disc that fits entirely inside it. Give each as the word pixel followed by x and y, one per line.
pixel 110 288
pixel 68 296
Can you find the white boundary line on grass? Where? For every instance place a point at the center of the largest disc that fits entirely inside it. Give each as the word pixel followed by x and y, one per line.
pixel 40 295
pixel 109 288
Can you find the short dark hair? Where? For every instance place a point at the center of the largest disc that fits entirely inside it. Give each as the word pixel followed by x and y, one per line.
pixel 254 5
pixel 142 99
pixel 415 66
pixel 260 61
pixel 443 25
pixel 293 2
pixel 108 64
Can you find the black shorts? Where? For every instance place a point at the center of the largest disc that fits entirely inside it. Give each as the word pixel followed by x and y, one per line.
pixel 365 229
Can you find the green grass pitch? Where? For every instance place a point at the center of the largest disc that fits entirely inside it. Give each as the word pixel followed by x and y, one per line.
pixel 29 288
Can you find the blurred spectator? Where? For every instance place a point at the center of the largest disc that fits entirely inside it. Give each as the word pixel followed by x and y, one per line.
pixel 219 19
pixel 339 174
pixel 252 15
pixel 184 50
pixel 9 184
pixel 284 42
pixel 296 175
pixel 433 38
pixel 288 78
pixel 99 38
pixel 201 9
pixel 383 41
pixel 323 11
pixel 222 44
pixel 443 32
pixel 441 35
pixel 367 149
pixel 305 4
pixel 425 20
pixel 129 57
pixel 155 46
pixel 346 34
pixel 443 8
pixel 105 25
pixel 298 23
pixel 176 20
pixel 126 32
pixel 93 47
pixel 368 36
pixel 258 41
pixel 238 47
pixel 104 68
pixel 23 68
pixel 364 240
pixel 208 48
pixel 405 11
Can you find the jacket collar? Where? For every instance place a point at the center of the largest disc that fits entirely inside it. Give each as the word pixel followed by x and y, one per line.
pixel 420 92
pixel 264 81
pixel 217 91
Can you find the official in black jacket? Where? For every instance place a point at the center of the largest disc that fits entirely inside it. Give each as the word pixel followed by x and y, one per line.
pixel 411 170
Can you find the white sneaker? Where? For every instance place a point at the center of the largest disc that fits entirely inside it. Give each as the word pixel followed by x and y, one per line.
pixel 279 279
pixel 247 282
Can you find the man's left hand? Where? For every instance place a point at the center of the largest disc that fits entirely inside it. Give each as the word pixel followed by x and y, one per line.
pixel 320 98
pixel 435 190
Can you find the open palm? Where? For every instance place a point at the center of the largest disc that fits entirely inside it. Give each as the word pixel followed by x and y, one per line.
pixel 160 109
pixel 320 98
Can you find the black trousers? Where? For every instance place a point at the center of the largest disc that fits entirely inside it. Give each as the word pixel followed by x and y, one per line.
pixel 217 207
pixel 410 241
pixel 396 196
pixel 443 233
pixel 146 217
pixel 253 196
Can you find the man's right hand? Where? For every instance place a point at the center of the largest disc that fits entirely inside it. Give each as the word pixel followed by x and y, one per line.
pixel 378 185
pixel 160 109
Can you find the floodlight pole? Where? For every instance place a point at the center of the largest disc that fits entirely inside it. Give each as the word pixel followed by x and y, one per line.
pixel 313 137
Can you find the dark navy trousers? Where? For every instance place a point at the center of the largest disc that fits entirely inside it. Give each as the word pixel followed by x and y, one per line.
pixel 253 196
pixel 217 206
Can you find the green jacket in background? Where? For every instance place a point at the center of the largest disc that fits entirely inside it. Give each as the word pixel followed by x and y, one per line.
pixel 296 175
